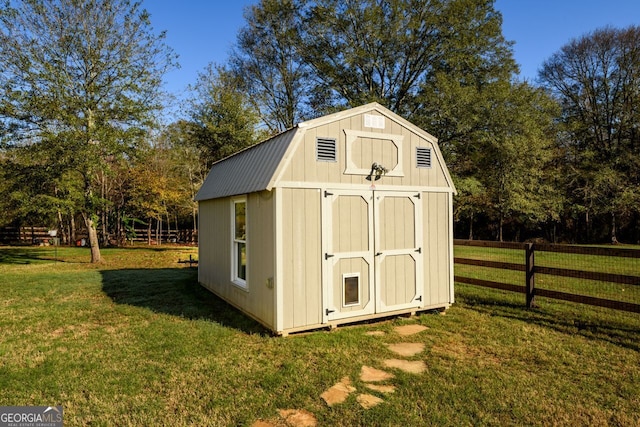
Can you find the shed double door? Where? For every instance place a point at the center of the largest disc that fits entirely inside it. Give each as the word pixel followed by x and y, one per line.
pixel 372 245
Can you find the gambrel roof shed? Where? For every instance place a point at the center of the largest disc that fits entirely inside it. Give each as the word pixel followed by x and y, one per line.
pixel 342 218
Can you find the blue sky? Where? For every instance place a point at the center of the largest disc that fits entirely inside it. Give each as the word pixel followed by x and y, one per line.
pixel 204 31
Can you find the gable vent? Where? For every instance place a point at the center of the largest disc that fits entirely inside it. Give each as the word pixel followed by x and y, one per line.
pixel 326 149
pixel 423 157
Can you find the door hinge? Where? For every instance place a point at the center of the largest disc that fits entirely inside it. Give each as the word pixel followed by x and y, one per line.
pixel 419 298
pixel 378 253
pixel 419 250
pixel 327 256
pixel 327 312
pixel 417 195
pixel 327 194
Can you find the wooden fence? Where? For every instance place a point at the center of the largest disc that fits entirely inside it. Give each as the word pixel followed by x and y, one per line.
pixel 530 269
pixel 24 235
pixel 142 235
pixel 40 235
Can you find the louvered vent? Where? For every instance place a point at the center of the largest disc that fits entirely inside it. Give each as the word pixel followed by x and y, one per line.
pixel 326 149
pixel 423 157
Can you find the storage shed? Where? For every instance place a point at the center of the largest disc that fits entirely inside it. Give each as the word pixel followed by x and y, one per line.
pixel 342 218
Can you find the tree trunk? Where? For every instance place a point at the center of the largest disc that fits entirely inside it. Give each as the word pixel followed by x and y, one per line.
pixel 72 229
pixel 93 238
pixel 63 234
pixel 195 220
pixel 614 238
pixel 149 233
pixel 500 229
pixel 471 227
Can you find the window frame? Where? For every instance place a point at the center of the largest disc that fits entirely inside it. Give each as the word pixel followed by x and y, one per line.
pixel 236 278
pixel 346 276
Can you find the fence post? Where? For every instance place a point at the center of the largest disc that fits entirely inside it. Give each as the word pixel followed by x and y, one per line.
pixel 530 274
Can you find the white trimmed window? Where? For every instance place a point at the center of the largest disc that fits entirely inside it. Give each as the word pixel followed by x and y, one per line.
pixel 239 239
pixel 350 289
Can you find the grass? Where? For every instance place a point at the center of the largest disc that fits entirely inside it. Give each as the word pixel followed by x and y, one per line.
pixel 136 341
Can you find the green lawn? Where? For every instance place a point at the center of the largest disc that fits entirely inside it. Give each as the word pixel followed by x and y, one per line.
pixel 136 341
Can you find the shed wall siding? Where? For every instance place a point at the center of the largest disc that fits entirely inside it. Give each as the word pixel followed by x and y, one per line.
pixel 214 269
pixel 301 257
pixel 214 254
pixel 436 212
pixel 304 167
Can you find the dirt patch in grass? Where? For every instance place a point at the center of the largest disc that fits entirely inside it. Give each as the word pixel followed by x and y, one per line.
pixel 458 350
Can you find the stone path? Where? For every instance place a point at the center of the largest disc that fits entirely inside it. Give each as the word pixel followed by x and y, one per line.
pixel 374 379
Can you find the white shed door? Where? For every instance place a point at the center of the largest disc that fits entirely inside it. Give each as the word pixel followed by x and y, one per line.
pixel 348 254
pixel 398 250
pixel 371 243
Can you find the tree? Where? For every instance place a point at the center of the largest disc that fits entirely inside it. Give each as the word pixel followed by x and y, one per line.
pixel 386 51
pixel 80 80
pixel 596 79
pixel 515 157
pixel 363 51
pixel 267 61
pixel 221 119
pixel 190 167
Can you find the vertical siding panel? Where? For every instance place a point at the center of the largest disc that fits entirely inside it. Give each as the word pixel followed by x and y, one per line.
pixel 313 252
pixel 434 243
pixel 299 291
pixel 310 157
pixel 287 258
pixel 436 248
pixel 443 237
pixel 299 258
pixel 301 254
pixel 298 163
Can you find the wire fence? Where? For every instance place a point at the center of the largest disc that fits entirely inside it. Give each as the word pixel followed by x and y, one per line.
pixel 600 276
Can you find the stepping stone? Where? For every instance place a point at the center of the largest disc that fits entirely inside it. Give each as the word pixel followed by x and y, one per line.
pixel 409 329
pixel 339 392
pixel 382 388
pixel 407 349
pixel 415 367
pixel 368 400
pixel 372 375
pixel 375 333
pixel 298 417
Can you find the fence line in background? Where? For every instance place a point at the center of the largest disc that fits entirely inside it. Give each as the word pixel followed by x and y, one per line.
pixel 40 235
pixel 531 269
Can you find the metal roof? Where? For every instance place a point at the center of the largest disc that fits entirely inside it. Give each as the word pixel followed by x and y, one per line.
pixel 247 171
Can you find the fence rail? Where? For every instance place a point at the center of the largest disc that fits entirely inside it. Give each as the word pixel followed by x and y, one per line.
pixel 529 267
pixel 24 235
pixel 39 235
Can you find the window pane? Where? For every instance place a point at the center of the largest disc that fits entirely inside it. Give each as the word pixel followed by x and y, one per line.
pixel 241 257
pixel 351 291
pixel 240 228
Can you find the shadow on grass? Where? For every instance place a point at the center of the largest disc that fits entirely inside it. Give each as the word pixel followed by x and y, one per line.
pixel 571 318
pixel 174 291
pixel 16 255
